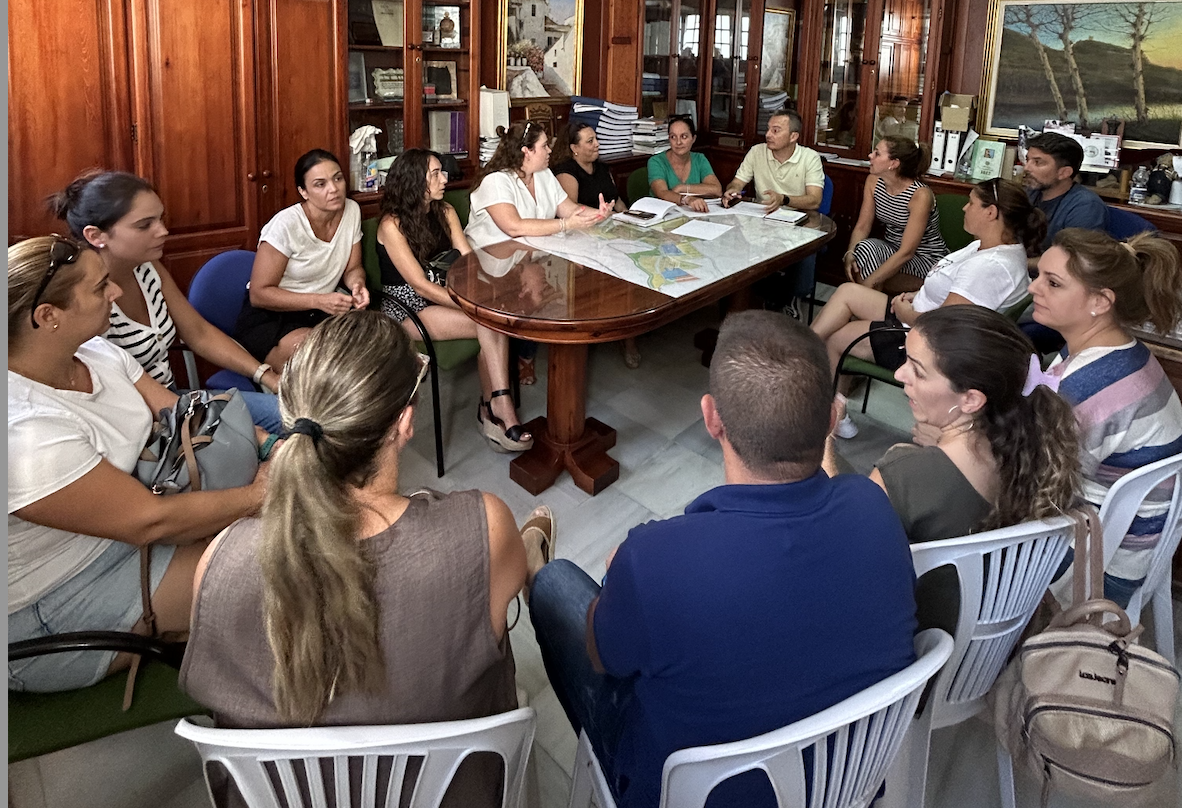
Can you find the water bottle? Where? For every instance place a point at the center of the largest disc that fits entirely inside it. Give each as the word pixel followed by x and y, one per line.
pixel 1140 187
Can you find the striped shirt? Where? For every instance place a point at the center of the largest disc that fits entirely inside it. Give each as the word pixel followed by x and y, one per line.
pixel 147 343
pixel 894 213
pixel 1129 416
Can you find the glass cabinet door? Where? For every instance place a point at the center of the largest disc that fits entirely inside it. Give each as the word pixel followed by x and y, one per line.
pixel 658 44
pixel 839 90
pixel 902 48
pixel 728 67
pixel 689 49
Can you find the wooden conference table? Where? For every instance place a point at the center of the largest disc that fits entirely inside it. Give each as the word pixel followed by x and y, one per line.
pixel 518 290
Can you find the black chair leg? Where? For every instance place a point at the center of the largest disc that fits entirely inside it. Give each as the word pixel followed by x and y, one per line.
pixel 866 397
pixel 514 376
pixel 427 341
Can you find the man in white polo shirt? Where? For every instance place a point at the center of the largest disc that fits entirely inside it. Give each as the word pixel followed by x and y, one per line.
pixel 785 173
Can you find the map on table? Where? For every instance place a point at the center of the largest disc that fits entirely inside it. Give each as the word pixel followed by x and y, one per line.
pixel 655 258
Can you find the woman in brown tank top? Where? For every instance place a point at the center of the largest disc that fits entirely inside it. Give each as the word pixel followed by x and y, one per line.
pixel 346 602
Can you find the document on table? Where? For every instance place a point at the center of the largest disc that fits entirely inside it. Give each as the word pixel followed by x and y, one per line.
pixel 646 211
pixel 707 231
pixel 757 211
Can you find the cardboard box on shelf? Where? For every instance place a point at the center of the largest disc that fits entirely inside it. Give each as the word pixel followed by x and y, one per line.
pixel 956 111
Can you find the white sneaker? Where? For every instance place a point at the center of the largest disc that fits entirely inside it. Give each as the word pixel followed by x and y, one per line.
pixel 846 428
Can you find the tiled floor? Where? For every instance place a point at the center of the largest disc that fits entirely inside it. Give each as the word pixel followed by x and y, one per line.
pixel 666 459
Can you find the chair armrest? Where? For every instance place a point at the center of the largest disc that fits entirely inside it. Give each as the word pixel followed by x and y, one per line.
pixel 170 653
pixel 850 347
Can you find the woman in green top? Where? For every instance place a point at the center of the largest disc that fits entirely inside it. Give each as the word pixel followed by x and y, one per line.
pixel 679 172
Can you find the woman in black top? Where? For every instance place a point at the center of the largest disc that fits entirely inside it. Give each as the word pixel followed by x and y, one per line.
pixel 588 180
pixel 416 226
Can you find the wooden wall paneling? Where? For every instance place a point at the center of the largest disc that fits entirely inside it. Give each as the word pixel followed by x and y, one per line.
pixel 194 101
pixel 68 104
pixel 625 51
pixel 811 23
pixel 305 107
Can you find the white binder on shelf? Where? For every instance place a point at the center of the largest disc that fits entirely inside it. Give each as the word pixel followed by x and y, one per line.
pixel 494 111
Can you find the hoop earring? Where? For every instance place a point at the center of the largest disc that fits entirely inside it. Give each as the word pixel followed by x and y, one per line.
pixel 953 407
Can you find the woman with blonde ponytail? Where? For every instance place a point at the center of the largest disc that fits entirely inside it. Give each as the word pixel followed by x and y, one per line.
pixel 347 602
pixel 1093 290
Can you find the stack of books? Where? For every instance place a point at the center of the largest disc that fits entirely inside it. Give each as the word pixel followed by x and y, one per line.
pixel 488 147
pixel 586 109
pixel 769 103
pixel 615 129
pixel 447 132
pixel 650 136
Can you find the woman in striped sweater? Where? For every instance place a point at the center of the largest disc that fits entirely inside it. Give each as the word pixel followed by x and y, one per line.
pixel 121 216
pixel 1093 289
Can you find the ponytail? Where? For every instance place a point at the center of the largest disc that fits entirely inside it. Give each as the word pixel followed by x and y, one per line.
pixel 96 198
pixel 352 378
pixel 1143 274
pixel 1027 223
pixel 914 158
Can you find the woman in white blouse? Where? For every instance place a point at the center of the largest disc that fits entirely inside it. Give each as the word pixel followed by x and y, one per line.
pixel 516 194
pixel 989 272
pixel 305 252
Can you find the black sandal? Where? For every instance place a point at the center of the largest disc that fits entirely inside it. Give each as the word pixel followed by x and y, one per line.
pixel 514 439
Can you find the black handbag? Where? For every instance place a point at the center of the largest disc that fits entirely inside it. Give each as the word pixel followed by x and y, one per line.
pixel 437 267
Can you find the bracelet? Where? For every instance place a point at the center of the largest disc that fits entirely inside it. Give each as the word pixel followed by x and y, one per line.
pixel 259 372
pixel 562 225
pixel 267 446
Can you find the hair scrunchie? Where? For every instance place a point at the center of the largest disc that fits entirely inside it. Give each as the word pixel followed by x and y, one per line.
pixel 306 426
pixel 1036 376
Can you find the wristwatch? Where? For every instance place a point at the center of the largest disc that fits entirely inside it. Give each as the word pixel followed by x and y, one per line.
pixel 262 369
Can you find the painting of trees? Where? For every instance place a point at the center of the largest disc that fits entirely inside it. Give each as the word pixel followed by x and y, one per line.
pixel 1085 62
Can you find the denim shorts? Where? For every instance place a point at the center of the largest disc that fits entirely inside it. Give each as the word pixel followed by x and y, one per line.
pixel 104 596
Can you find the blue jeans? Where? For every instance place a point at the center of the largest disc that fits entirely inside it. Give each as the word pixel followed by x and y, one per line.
pixel 594 702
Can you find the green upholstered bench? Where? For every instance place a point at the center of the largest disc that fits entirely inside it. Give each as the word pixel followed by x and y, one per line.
pixel 40 723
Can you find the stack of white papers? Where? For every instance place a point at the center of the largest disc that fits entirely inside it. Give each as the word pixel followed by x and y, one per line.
pixel 650 136
pixel 488 147
pixel 614 129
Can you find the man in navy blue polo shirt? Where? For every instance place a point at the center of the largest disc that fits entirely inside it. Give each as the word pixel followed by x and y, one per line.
pixel 774 597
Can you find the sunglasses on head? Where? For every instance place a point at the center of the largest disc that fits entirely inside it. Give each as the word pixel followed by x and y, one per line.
pixel 61 252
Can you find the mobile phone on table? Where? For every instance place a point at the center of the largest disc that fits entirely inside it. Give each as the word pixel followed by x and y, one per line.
pixel 640 214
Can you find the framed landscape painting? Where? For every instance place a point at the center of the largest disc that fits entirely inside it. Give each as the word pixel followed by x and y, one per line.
pixel 1085 62
pixel 540 49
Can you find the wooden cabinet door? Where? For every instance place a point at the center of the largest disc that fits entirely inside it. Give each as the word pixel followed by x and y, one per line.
pixel 194 106
pixel 68 105
pixel 302 59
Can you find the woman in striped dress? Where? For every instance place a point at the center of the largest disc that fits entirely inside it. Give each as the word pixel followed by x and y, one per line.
pixel 123 219
pixel 1093 289
pixel 907 208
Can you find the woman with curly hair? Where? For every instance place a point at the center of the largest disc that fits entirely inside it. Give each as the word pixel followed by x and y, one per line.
pixel 516 194
pixel 1006 449
pixel 416 227
pixel 1093 290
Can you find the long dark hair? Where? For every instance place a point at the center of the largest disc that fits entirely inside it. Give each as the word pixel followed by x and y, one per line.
pixel 404 197
pixel 1032 438
pixel 1026 222
pixel 96 197
pixel 508 156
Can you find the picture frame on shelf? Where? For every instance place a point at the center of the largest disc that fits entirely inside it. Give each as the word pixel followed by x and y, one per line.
pixel 1031 76
pixel 539 56
pixel 442 74
pixel 389 17
pixel 444 24
pixel 988 156
pixel 389 83
pixel 779 26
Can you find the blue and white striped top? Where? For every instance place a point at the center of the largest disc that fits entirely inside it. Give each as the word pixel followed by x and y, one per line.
pixel 149 344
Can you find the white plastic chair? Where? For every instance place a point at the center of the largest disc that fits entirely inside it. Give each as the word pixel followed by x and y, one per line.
pixel 865 732
pixel 997 600
pixel 297 754
pixel 1117 513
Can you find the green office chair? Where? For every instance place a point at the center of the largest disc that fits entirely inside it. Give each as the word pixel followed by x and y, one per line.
pixel 459 199
pixel 638 184
pixel 445 354
pixel 951 208
pixel 40 723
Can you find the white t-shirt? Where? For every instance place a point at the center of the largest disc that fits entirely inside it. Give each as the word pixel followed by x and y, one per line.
pixel 506 186
pixel 995 278
pixel 55 437
pixel 314 267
